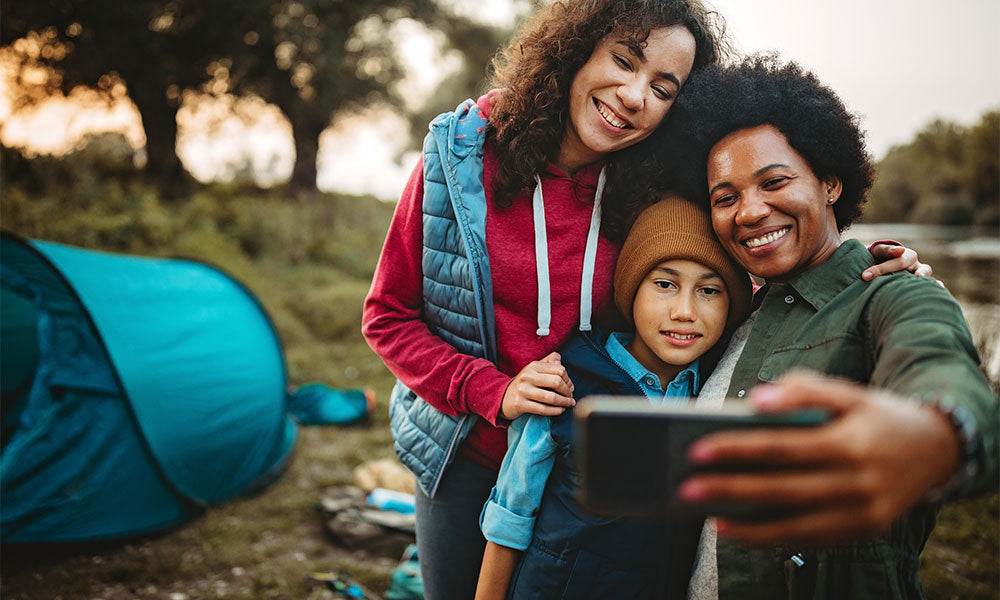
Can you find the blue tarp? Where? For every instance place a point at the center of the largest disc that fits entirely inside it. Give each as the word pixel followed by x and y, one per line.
pixel 157 387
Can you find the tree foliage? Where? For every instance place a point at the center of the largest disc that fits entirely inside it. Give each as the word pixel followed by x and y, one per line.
pixel 947 175
pixel 312 58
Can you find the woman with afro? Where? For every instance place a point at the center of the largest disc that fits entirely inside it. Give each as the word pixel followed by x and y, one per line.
pixel 781 165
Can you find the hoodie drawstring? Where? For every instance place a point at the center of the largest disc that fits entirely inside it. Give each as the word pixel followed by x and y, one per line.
pixel 542 259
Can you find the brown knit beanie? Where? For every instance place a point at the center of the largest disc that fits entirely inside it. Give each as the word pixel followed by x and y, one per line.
pixel 676 228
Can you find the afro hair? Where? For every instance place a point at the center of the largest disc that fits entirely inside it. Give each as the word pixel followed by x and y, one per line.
pixel 761 90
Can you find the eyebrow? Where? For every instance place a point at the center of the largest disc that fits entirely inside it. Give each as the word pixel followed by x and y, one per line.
pixel 703 276
pixel 636 49
pixel 756 173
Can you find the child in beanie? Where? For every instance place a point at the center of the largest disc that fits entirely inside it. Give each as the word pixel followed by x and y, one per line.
pixel 681 293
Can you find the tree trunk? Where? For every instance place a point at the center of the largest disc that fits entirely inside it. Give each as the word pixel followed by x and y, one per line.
pixel 159 121
pixel 307 125
pixel 306 148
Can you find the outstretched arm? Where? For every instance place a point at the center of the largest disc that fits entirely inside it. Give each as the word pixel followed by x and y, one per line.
pixel 932 426
pixel 847 480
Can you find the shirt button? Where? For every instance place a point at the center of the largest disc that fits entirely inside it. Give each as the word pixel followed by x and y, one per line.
pixel 741 393
pixel 789 299
pixel 650 381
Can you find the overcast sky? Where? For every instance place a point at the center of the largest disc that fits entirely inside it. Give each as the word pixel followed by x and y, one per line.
pixel 899 63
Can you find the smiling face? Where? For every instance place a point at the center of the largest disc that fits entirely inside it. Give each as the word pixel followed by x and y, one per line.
pixel 770 211
pixel 680 311
pixel 622 93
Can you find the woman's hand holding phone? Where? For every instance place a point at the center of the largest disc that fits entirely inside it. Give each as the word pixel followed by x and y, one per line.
pixel 849 479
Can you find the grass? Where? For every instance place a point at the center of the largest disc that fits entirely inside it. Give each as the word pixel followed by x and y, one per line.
pixel 309 257
pixel 960 561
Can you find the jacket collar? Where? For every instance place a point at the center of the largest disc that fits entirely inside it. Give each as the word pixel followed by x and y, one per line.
pixel 820 284
pixel 579 354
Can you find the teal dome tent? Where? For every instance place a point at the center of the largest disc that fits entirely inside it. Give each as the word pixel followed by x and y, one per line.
pixel 135 392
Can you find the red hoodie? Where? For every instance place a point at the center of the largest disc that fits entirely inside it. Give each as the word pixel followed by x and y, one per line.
pixel 456 383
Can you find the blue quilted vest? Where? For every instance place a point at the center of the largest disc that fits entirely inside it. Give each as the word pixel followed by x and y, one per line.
pixel 574 554
pixel 457 288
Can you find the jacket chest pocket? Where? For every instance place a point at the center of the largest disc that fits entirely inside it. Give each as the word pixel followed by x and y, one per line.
pixel 843 355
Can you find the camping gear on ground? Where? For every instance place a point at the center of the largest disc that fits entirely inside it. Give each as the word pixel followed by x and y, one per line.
pixel 384 499
pixel 405 582
pixel 352 525
pixel 343 585
pixel 136 392
pixel 318 404
pixel 386 473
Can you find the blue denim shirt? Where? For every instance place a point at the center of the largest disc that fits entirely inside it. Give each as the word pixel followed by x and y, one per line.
pixel 508 518
pixel 682 386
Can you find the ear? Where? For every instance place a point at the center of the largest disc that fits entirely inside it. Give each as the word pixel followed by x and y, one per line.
pixel 832 188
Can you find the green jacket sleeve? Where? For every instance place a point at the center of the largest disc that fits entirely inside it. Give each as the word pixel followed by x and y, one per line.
pixel 922 349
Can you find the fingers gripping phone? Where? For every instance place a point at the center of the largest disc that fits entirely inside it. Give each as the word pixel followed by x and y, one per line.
pixel 633 456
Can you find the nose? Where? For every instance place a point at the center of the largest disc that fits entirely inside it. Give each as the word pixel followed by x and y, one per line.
pixel 631 93
pixel 752 209
pixel 682 308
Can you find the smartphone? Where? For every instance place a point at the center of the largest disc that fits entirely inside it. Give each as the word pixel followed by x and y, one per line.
pixel 632 456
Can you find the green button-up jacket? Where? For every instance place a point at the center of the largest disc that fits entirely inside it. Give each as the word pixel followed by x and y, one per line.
pixel 900 333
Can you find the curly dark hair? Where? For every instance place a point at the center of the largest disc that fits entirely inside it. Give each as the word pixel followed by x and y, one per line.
pixel 763 90
pixel 528 120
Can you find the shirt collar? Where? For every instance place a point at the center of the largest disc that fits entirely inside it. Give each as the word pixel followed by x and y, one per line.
pixel 687 382
pixel 821 283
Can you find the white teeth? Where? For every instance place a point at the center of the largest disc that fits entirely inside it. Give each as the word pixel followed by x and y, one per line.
pixel 610 118
pixel 684 336
pixel 767 239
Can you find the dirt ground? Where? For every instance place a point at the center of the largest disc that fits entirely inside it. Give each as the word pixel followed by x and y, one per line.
pixel 268 545
pixel 260 547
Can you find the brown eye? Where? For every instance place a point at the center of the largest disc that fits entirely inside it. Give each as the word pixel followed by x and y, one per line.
pixel 724 200
pixel 661 93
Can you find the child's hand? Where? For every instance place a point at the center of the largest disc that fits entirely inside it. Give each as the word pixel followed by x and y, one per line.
pixel 846 480
pixel 542 388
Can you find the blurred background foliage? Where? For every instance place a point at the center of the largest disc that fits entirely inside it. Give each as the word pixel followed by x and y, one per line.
pixel 311 58
pixel 318 59
pixel 948 175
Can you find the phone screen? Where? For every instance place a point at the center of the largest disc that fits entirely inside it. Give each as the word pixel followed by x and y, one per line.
pixel 632 456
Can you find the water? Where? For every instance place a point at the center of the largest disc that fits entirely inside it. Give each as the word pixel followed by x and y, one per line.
pixel 967 260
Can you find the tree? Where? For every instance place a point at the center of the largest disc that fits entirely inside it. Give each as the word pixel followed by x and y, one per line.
pixel 312 58
pixel 982 168
pixel 948 174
